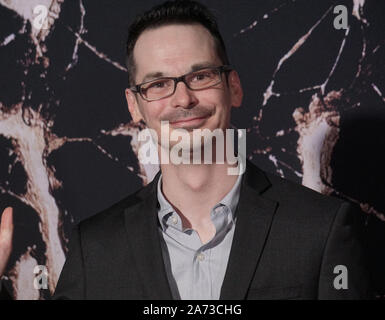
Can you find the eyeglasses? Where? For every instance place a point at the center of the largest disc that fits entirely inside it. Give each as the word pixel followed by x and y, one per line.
pixel 164 87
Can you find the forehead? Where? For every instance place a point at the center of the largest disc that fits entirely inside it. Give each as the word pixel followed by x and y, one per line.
pixel 173 49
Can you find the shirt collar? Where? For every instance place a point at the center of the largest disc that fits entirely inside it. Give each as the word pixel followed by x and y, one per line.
pixel 165 206
pixel 230 200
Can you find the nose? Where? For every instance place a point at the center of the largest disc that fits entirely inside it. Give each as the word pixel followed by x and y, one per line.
pixel 183 97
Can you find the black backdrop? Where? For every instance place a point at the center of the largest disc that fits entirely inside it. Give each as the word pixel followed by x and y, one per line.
pixel 314 109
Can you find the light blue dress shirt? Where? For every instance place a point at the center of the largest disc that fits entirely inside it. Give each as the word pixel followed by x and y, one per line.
pixel 196 270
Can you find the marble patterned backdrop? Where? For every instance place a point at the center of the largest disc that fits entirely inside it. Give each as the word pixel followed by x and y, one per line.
pixel 314 111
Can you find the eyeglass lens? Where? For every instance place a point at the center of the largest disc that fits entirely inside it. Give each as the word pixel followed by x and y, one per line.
pixel 197 80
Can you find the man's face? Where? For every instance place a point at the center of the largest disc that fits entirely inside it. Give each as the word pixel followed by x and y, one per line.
pixel 172 51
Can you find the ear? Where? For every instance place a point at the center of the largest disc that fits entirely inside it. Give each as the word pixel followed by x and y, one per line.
pixel 236 91
pixel 133 106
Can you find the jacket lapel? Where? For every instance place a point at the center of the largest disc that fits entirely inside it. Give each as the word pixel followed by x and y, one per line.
pixel 254 217
pixel 144 241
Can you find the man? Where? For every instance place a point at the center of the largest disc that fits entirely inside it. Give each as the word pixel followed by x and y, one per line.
pixel 196 232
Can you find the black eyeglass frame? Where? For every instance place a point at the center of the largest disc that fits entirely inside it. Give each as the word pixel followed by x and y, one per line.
pixel 222 69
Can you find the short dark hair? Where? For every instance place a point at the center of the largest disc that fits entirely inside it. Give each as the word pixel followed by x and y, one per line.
pixel 168 13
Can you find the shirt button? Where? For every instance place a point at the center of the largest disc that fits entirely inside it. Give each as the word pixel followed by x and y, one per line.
pixel 201 257
pixel 174 220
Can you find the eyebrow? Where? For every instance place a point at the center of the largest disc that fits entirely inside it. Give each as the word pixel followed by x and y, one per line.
pixel 194 67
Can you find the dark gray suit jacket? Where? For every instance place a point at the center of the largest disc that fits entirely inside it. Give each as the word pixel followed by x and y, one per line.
pixel 288 240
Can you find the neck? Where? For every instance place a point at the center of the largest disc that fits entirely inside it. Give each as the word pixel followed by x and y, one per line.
pixel 193 189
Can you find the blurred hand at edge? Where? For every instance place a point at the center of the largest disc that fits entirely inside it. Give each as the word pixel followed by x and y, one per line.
pixel 6 234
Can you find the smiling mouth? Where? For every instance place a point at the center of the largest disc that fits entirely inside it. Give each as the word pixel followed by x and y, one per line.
pixel 189 123
pixel 187 120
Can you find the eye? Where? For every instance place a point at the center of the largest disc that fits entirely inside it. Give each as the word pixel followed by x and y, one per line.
pixel 202 76
pixel 157 84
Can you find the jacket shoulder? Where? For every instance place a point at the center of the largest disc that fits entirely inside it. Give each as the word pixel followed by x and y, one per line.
pixel 113 216
pixel 302 203
pixel 286 189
